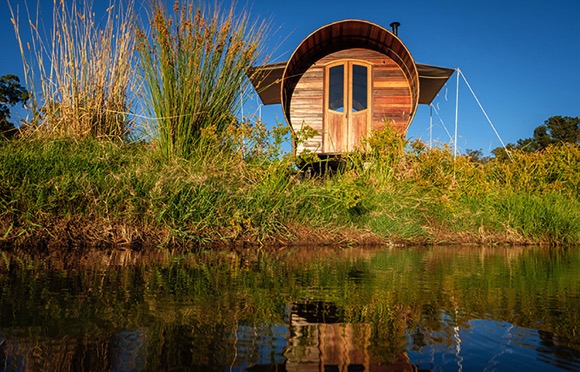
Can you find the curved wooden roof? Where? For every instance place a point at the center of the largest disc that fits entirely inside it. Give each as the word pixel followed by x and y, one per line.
pixel 344 35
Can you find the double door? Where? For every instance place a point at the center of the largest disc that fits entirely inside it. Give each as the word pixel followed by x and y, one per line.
pixel 347 113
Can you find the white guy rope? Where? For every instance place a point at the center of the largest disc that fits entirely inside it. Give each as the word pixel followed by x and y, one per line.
pixel 458 72
pixel 485 113
pixel 430 126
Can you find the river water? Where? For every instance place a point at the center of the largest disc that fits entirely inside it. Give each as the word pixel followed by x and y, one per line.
pixel 298 309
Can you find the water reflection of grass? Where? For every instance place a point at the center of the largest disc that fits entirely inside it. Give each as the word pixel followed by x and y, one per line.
pixel 400 295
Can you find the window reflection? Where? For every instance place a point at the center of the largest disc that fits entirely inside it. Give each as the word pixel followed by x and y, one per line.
pixel 359 88
pixel 336 89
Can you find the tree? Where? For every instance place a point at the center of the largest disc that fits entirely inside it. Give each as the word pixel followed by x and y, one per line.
pixel 564 129
pixel 555 130
pixel 501 153
pixel 476 156
pixel 11 93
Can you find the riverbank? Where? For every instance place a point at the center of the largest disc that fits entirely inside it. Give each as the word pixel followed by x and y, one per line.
pixel 86 193
pixel 204 177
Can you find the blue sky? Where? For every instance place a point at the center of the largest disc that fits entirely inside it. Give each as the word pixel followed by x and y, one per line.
pixel 522 58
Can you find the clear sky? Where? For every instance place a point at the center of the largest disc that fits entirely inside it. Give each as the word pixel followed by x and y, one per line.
pixel 522 58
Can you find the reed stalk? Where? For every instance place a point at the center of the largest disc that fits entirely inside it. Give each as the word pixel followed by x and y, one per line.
pixel 194 64
pixel 80 71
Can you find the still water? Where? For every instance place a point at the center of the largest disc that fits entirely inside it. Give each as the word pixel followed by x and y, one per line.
pixel 315 309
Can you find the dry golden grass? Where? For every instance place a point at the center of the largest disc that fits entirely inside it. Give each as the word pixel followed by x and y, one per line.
pixel 80 70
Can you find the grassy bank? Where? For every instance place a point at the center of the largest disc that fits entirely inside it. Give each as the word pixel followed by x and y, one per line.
pixel 102 193
pixel 159 157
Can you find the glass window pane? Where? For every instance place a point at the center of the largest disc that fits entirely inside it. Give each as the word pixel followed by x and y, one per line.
pixel 359 88
pixel 336 88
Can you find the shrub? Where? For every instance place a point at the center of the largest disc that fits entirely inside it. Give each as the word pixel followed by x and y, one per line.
pixel 194 66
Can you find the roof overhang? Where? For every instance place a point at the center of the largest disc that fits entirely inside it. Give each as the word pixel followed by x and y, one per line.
pixel 267 81
pixel 431 80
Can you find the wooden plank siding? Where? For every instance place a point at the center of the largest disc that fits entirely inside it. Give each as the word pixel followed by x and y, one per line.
pixel 391 100
pixel 306 107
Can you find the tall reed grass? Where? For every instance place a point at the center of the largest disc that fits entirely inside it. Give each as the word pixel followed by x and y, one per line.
pixel 79 68
pixel 194 65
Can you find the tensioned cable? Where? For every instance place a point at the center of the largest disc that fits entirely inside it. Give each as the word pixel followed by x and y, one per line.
pixel 430 126
pixel 485 113
pixel 458 72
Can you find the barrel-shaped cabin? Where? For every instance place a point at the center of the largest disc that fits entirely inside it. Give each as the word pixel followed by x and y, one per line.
pixel 345 80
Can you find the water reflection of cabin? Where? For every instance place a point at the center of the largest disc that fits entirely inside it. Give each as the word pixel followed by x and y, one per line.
pixel 322 340
pixel 345 80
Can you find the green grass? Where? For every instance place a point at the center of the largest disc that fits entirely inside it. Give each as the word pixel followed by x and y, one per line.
pixel 552 217
pixel 204 177
pixel 194 66
pixel 102 192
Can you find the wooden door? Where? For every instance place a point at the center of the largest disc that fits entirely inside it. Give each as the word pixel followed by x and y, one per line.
pixel 347 105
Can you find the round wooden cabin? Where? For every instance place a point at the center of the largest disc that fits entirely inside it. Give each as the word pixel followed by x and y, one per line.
pixel 345 80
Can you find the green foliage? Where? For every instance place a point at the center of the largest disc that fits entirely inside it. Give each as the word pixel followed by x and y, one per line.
pixel 11 93
pixel 476 156
pixel 299 138
pixel 551 217
pixel 556 130
pixel 194 65
pixel 383 153
pixel 65 178
pixel 253 194
pixel 255 142
pixel 501 153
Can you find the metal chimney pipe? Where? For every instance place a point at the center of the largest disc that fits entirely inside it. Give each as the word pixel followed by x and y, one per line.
pixel 395 28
